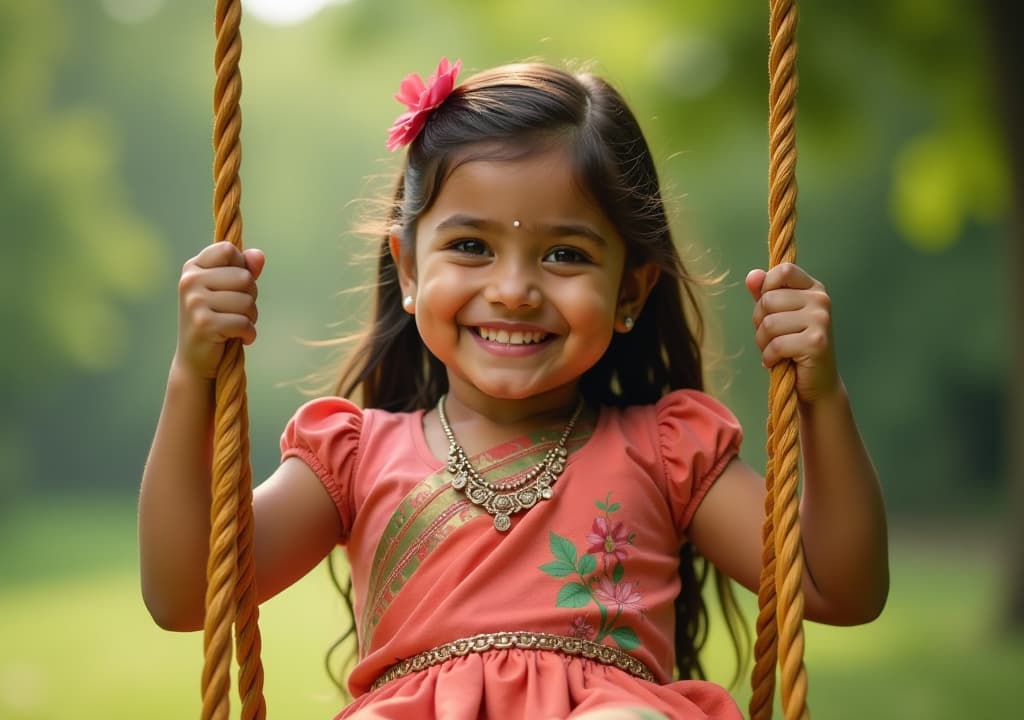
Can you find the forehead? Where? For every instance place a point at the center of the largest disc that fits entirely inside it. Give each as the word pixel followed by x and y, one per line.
pixel 542 185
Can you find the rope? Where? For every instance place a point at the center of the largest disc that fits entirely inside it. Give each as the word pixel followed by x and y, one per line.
pixel 780 595
pixel 230 570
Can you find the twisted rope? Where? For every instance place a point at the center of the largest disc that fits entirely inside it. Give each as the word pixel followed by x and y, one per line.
pixel 780 595
pixel 230 570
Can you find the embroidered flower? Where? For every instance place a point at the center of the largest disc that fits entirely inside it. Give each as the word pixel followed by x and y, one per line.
pixel 608 539
pixel 585 580
pixel 421 99
pixel 621 594
pixel 580 628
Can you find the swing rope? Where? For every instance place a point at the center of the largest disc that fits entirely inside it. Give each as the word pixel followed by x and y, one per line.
pixel 780 638
pixel 230 569
pixel 230 594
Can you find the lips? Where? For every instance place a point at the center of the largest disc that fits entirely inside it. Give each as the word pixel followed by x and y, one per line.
pixel 512 337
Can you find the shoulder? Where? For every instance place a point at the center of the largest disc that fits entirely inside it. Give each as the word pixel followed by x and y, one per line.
pixel 685 410
pixel 332 418
pixel 344 445
pixel 691 436
pixel 694 411
pixel 325 420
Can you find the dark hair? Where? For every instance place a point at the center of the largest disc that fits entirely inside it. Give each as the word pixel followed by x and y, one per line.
pixel 511 112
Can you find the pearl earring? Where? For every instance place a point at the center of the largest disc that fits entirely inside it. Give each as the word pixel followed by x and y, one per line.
pixel 408 301
pixel 628 322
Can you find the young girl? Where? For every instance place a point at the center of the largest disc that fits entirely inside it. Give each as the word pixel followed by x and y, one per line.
pixel 535 478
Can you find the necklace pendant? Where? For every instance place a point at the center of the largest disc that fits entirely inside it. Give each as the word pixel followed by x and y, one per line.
pixel 527 497
pixel 503 500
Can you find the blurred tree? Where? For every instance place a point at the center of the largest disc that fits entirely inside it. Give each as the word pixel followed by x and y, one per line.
pixel 75 253
pixel 1006 18
pixel 106 120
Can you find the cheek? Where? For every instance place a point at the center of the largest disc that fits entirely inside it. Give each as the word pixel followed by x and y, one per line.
pixel 440 299
pixel 593 302
pixel 442 293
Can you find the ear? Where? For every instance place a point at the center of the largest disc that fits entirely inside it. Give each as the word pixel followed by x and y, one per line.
pixel 637 283
pixel 405 263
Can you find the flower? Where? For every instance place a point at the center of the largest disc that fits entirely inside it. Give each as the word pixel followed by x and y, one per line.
pixel 421 99
pixel 622 594
pixel 609 540
pixel 580 628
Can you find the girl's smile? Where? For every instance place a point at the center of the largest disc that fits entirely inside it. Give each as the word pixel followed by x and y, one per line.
pixel 511 340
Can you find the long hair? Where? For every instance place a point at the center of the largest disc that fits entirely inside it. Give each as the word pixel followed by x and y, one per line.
pixel 511 112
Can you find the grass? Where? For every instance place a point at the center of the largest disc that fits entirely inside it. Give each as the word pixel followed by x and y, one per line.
pixel 75 638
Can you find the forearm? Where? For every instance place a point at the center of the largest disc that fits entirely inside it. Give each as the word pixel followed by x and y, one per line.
pixel 174 505
pixel 842 515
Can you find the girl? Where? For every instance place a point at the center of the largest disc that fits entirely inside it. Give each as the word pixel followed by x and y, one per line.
pixel 535 479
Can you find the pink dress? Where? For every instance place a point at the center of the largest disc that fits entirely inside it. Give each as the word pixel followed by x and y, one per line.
pixel 597 563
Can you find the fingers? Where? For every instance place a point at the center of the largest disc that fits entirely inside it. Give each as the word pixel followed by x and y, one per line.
pixel 792 314
pixel 209 325
pixel 254 262
pixel 204 307
pixel 754 282
pixel 219 254
pixel 793 322
pixel 217 302
pixel 774 302
pixel 222 266
pixel 787 275
pixel 809 344
pixel 222 254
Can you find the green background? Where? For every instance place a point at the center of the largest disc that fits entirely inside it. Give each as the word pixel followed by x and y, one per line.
pixel 105 190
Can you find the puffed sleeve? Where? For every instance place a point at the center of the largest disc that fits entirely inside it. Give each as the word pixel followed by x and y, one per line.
pixel 324 434
pixel 698 436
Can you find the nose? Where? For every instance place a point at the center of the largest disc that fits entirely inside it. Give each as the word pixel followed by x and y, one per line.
pixel 514 283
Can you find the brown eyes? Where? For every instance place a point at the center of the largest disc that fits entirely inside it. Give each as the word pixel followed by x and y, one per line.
pixel 560 255
pixel 566 255
pixel 469 246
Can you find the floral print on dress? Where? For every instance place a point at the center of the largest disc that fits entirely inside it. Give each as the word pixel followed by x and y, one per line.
pixel 598 576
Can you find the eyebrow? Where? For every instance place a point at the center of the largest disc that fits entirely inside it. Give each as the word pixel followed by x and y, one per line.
pixel 558 230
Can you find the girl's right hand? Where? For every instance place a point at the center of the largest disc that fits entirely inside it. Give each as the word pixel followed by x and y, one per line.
pixel 216 303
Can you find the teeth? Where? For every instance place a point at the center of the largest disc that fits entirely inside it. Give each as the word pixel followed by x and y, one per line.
pixel 516 337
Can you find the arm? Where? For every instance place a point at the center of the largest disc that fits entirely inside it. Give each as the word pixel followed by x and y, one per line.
pixel 843 525
pixel 295 520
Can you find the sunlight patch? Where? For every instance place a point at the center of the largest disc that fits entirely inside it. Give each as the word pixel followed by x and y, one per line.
pixel 21 687
pixel 132 11
pixel 286 12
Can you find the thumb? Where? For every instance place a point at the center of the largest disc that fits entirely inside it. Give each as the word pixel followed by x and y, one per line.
pixel 254 261
pixel 755 282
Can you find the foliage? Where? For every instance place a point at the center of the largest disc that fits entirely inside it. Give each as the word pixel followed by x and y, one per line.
pixel 105 145
pixel 76 252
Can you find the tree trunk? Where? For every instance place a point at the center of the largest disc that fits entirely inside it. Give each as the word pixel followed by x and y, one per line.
pixel 1006 17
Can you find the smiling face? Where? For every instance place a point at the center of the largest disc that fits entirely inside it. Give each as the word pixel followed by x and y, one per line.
pixel 518 278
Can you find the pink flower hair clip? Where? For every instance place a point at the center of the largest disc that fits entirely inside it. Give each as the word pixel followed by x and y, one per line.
pixel 421 99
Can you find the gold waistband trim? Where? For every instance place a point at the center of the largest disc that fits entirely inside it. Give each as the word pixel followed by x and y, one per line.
pixel 520 640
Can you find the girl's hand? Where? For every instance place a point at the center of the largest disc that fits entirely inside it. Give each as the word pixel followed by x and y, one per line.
pixel 793 321
pixel 216 302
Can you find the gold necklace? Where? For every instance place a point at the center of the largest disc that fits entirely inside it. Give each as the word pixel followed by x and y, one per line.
pixel 503 501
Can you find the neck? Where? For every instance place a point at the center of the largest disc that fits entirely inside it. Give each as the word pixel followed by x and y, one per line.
pixel 468 405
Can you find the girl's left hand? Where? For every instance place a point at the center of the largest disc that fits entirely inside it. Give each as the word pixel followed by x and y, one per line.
pixel 793 321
